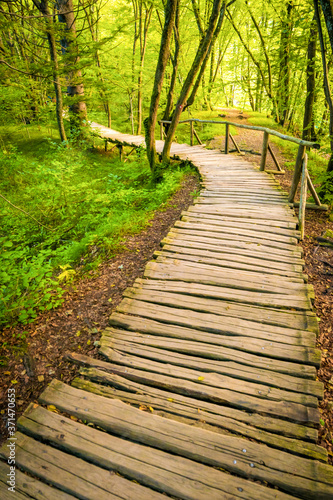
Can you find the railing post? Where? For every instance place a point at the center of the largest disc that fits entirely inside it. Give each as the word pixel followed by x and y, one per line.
pixel 226 145
pixel 264 151
pixel 302 201
pixel 297 172
pixel 161 131
pixel 192 133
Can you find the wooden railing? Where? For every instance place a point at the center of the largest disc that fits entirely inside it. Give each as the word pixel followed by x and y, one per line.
pixel 301 159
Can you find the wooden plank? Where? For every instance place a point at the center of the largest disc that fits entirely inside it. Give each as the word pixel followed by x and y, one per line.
pixel 280 268
pixel 214 307
pixel 239 231
pixel 230 248
pixel 266 429
pixel 157 469
pixel 167 408
pixel 204 360
pixel 280 350
pixel 248 214
pixel 215 351
pixel 188 273
pixel 243 274
pixel 242 241
pixel 210 258
pixel 241 199
pixel 73 475
pixel 293 320
pixel 282 409
pixel 137 352
pixel 307 478
pixel 213 323
pixel 27 487
pixel 226 222
pixel 233 295
pixel 234 219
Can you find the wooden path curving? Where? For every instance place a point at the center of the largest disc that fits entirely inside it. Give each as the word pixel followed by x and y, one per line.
pixel 208 390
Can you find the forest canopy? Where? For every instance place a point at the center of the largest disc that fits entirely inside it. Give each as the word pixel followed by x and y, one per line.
pixel 99 59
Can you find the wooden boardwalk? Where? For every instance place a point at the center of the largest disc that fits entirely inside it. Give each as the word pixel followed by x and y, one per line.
pixel 208 390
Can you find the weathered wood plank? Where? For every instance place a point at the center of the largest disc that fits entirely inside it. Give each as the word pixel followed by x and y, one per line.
pixel 242 241
pixel 216 218
pixel 234 420
pixel 27 487
pixel 193 255
pixel 211 323
pixel 258 226
pixel 257 263
pixel 307 478
pixel 288 350
pixel 172 405
pixel 73 475
pixel 295 412
pixel 238 311
pixel 253 319
pixel 230 367
pixel 295 302
pixel 237 231
pixel 157 469
pixel 248 214
pixel 131 352
pixel 185 272
pixel 243 274
pixel 249 250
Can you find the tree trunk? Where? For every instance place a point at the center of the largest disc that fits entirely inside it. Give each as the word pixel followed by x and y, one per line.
pixel 43 7
pixel 175 62
pixel 198 60
pixel 326 83
pixel 150 122
pixel 284 74
pixel 69 44
pixel 143 28
pixel 308 125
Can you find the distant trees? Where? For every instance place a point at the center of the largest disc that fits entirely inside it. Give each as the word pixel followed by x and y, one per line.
pixel 86 56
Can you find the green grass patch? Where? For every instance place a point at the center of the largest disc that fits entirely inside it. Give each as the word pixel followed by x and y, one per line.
pixel 74 206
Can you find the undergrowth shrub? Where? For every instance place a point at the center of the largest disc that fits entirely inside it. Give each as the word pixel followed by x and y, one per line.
pixel 69 206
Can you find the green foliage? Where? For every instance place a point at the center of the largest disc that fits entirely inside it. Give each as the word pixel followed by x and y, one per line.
pixel 85 201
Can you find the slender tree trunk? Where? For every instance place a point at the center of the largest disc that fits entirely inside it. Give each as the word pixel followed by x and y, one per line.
pixel 150 122
pixel 284 71
pixel 93 28
pixel 326 83
pixel 175 63
pixel 308 125
pixel 69 44
pixel 198 60
pixel 143 27
pixel 43 7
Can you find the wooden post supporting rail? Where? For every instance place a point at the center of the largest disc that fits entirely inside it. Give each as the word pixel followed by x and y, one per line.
pixel 192 133
pixel 297 172
pixel 264 151
pixel 313 191
pixel 302 201
pixel 226 146
pixel 161 131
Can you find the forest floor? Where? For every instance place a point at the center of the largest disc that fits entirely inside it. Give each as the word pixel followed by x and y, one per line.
pixel 36 353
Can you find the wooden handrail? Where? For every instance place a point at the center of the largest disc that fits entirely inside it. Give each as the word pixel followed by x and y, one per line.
pixel 269 131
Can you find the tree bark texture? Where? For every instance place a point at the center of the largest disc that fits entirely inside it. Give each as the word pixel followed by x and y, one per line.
pixel 43 7
pixel 150 122
pixel 69 46
pixel 198 60
pixel 308 124
pixel 327 90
